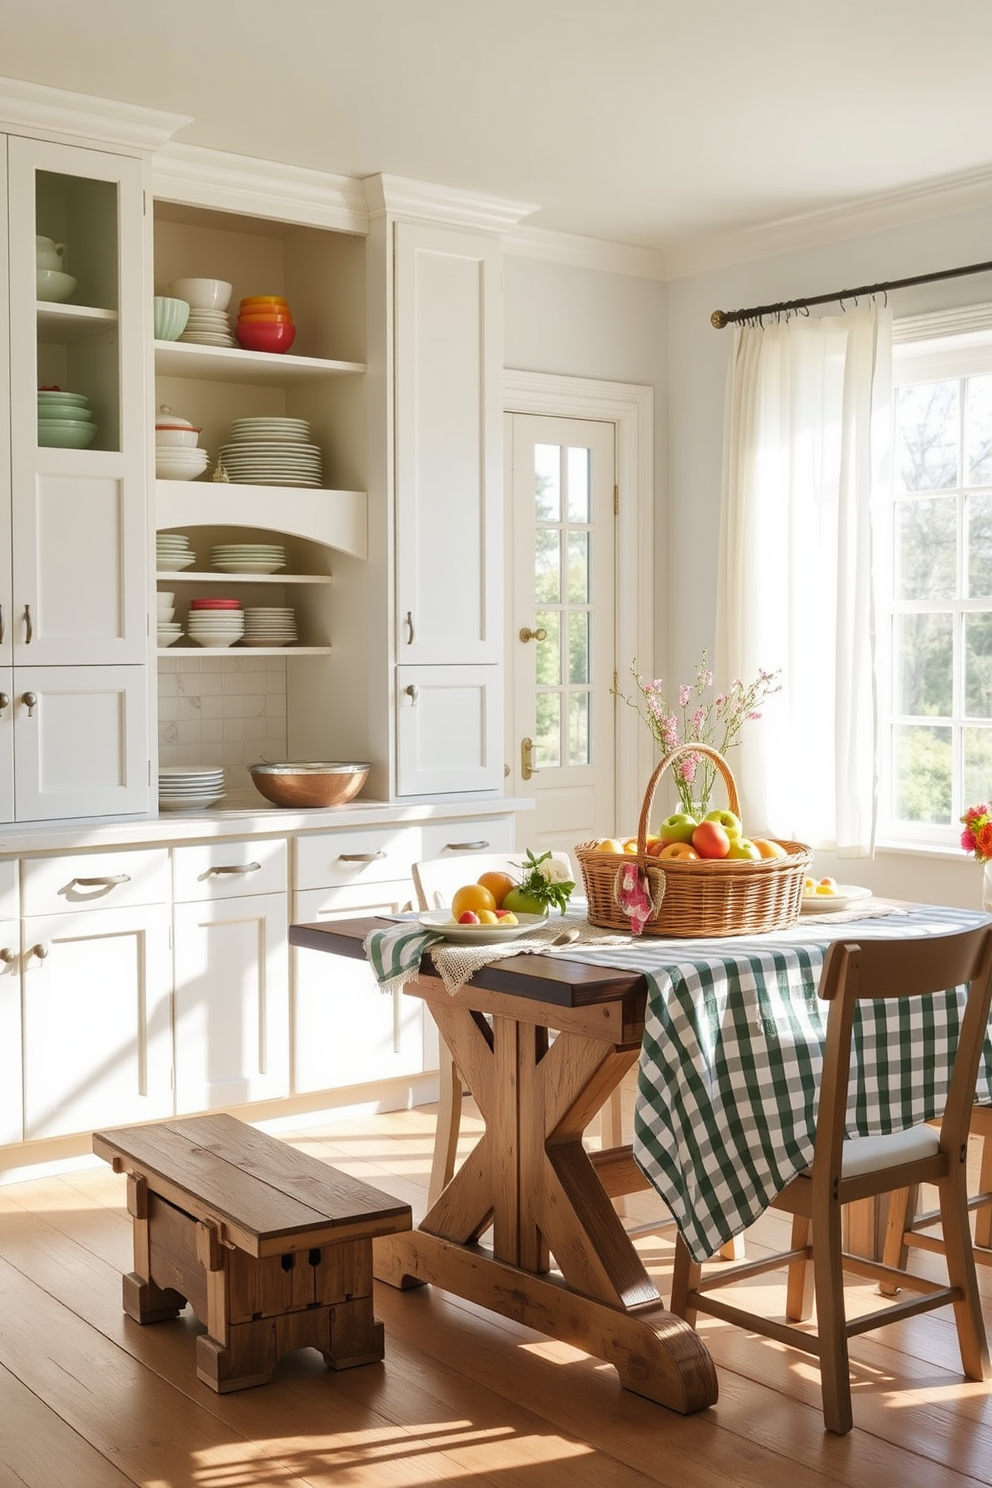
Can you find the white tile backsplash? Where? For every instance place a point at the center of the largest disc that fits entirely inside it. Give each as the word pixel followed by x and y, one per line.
pixel 226 711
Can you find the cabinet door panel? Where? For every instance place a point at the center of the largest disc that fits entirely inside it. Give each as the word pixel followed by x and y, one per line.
pixel 449 730
pixel 97 1028
pixel 448 445
pixel 11 1092
pixel 231 1001
pixel 82 750
pixel 345 1030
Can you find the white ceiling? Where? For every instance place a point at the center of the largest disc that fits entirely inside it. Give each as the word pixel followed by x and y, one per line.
pixel 666 124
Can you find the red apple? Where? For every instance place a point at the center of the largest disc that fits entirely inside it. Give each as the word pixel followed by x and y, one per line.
pixel 468 917
pixel 711 840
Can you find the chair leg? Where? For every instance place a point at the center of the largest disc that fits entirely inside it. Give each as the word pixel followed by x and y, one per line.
pixel 903 1204
pixel 983 1216
pixel 685 1279
pixel 799 1290
pixel 831 1324
pixel 955 1224
pixel 449 1115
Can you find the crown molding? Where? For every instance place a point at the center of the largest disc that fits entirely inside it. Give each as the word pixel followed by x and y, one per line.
pixel 198 176
pixel 402 197
pixel 947 196
pixel 33 108
pixel 585 253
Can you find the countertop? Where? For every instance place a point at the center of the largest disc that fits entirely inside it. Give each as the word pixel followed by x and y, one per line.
pixel 243 815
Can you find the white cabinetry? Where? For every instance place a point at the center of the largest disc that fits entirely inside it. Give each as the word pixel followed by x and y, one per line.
pixel 97 977
pixel 449 570
pixel 345 1030
pixel 11 1105
pixel 231 974
pixel 73 569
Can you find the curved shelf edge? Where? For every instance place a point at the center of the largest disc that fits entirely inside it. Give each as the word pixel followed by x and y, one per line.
pixel 336 519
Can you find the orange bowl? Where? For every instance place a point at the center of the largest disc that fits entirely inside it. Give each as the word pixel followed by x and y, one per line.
pixel 253 300
pixel 272 317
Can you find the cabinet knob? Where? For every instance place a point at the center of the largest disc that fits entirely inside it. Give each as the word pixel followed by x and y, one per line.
pixel 4 701
pixel 30 701
pixel 7 956
pixel 412 691
pixel 40 950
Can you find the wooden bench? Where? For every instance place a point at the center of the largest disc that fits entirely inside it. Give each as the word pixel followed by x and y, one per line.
pixel 271 1248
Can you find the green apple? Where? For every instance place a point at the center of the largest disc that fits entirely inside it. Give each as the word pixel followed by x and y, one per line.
pixel 520 902
pixel 730 823
pixel 743 847
pixel 678 828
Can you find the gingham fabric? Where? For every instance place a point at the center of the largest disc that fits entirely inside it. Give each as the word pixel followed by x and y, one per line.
pixel 727 1085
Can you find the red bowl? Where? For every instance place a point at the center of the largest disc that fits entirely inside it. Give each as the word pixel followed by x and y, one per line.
pixel 259 337
pixel 265 317
pixel 215 604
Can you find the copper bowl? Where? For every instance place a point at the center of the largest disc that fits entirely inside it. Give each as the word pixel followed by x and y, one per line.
pixel 311 784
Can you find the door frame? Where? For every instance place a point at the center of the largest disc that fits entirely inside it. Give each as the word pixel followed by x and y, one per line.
pixel 630 408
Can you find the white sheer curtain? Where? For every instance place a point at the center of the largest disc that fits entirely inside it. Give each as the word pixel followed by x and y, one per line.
pixel 806 414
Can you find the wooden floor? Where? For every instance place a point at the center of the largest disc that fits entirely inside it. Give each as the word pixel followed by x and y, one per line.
pixel 88 1399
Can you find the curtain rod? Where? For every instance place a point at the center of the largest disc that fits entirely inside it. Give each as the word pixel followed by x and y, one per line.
pixel 721 318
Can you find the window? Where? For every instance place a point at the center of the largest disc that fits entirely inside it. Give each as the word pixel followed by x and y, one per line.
pixel 934 588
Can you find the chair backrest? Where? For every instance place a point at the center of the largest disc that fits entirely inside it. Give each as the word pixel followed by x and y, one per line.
pixel 900 968
pixel 436 879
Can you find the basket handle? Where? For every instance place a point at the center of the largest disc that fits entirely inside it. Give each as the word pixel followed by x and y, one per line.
pixel 672 758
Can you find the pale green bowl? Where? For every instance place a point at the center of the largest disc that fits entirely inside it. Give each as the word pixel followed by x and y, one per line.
pixel 65 433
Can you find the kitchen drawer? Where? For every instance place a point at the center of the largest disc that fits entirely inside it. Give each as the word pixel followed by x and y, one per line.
pixel 371 855
pixel 487 834
pixel 227 870
pixel 97 880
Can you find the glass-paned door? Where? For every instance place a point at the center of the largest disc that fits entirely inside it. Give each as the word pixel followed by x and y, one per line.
pixel 561 475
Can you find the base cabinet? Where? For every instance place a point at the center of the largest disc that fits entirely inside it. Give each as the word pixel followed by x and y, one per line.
pixel 97 1036
pixel 346 1031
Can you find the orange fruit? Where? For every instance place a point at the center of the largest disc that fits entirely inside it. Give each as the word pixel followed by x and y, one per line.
pixel 475 897
pixel 769 849
pixel 498 884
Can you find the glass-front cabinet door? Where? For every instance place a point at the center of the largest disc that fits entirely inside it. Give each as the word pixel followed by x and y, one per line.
pixel 73 547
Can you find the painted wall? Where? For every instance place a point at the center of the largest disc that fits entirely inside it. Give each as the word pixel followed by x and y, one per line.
pixel 697 369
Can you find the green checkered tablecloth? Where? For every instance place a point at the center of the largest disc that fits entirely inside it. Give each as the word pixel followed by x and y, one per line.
pixel 730 1064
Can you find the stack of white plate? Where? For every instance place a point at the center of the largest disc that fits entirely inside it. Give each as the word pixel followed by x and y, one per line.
pixel 184 787
pixel 208 328
pixel 272 452
pixel 215 627
pixel 169 632
pixel 259 558
pixel 274 626
pixel 173 552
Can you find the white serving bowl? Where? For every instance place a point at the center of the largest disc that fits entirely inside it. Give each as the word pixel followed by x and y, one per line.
pixel 214 641
pixel 52 284
pixel 175 436
pixel 202 294
pixel 165 616
pixel 169 317
pixel 180 469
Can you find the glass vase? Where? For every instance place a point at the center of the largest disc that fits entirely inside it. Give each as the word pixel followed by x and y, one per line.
pixel 987 887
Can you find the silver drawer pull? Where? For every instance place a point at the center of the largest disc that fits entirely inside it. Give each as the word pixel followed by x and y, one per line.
pixel 232 868
pixel 361 857
pixel 109 882
pixel 40 950
pixel 7 956
pixel 465 846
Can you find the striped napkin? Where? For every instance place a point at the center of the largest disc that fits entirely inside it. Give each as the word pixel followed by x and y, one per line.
pixel 394 954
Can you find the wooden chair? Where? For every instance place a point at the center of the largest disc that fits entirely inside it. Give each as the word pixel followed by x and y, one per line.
pixel 862 1167
pixel 435 881
pixel 906 1229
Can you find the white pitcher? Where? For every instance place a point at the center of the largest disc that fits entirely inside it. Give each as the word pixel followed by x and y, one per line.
pixel 49 254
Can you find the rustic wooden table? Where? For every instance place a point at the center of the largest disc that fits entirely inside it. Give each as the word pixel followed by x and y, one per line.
pixel 530 1179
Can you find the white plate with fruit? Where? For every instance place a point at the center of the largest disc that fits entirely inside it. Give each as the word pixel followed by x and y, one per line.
pixel 481 934
pixel 820 895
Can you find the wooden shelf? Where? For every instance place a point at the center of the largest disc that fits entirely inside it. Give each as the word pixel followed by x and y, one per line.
pixel 337 519
pixel 232 364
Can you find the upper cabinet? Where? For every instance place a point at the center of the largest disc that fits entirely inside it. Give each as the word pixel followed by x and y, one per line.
pixel 73 544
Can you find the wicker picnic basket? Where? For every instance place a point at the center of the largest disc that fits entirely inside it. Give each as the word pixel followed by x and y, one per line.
pixel 700 897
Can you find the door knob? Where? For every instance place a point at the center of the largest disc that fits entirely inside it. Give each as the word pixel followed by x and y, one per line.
pixel 527 768
pixel 527 634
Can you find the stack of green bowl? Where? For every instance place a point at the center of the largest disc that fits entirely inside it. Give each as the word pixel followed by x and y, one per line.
pixel 64 419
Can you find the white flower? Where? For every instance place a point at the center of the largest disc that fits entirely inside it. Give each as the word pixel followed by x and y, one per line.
pixel 553 870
